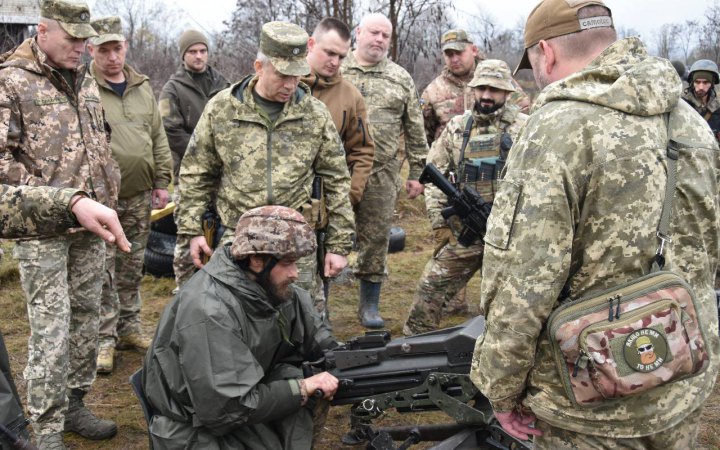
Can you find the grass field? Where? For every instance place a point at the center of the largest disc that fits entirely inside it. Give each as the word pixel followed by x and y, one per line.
pixel 112 396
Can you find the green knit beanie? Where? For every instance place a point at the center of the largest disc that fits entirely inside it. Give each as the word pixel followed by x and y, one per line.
pixel 190 38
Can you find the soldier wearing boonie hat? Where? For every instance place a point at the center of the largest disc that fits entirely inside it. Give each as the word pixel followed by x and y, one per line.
pixel 109 29
pixel 553 18
pixel 73 17
pixel 495 73
pixel 285 44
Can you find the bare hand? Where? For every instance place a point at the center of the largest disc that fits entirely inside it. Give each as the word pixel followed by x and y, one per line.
pixel 100 220
pixel 517 424
pixel 414 188
pixel 199 247
pixel 324 381
pixel 334 264
pixel 160 198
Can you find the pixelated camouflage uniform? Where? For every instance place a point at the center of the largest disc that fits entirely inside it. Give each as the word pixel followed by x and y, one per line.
pixel 393 108
pixel 54 134
pixel 579 205
pixel 453 265
pixel 448 96
pixel 709 111
pixel 239 160
pixel 141 149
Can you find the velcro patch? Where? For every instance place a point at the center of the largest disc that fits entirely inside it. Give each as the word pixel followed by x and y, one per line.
pixel 595 22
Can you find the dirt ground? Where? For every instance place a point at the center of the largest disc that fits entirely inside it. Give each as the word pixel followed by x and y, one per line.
pixel 112 396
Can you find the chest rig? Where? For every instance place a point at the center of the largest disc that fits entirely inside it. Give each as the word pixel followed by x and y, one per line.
pixel 482 157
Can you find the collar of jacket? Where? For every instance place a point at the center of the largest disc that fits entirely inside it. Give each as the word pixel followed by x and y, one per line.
pixel 505 114
pixel 132 77
pixel 242 91
pixel 352 63
pixel 315 81
pixel 226 271
pixel 182 76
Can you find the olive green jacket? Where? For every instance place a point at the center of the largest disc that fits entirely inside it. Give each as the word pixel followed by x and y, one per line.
pixel 224 367
pixel 138 139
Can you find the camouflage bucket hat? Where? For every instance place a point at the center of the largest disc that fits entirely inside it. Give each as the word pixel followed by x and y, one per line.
pixel 286 46
pixel 273 230
pixel 73 17
pixel 455 40
pixel 109 29
pixel 493 72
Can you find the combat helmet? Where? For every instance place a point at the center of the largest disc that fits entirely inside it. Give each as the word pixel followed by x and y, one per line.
pixel 276 231
pixel 704 65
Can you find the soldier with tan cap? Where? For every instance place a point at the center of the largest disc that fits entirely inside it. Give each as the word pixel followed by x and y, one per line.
pixel 55 135
pixel 449 95
pixel 141 149
pixel 281 139
pixel 579 211
pixel 474 161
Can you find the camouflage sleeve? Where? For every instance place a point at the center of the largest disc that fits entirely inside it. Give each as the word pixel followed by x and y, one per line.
pixel 359 150
pixel 331 166
pixel 440 154
pixel 526 263
pixel 520 98
pixel 415 142
pixel 11 170
pixel 430 119
pixel 200 171
pixel 32 211
pixel 178 137
pixel 161 149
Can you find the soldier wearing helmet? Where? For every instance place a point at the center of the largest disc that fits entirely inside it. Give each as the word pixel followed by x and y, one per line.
pixel 701 95
pixel 247 328
pixel 475 161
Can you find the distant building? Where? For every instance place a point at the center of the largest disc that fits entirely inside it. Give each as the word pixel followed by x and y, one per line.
pixel 17 21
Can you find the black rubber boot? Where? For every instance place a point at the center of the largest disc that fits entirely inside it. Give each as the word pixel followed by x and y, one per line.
pixel 83 422
pixel 369 301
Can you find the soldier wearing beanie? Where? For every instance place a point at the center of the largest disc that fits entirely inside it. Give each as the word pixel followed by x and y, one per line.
pixel 238 393
pixel 58 140
pixel 611 178
pixel 282 138
pixel 181 103
pixel 477 161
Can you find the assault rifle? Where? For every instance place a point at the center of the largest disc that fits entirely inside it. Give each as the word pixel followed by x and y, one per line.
pixel 427 372
pixel 468 205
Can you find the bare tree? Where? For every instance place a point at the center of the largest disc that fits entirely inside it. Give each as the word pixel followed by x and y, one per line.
pixel 664 43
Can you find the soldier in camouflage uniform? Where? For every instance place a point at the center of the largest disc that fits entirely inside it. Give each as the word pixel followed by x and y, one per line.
pixel 280 139
pixel 700 92
pixel 140 147
pixel 449 95
pixel 474 164
pixel 577 211
pixel 393 109
pixel 53 134
pixel 31 211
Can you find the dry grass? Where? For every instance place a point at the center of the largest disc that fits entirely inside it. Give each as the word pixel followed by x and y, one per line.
pixel 112 397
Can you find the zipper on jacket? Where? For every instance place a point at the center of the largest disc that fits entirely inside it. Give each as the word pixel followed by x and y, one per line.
pixel 270 197
pixel 361 126
pixel 342 125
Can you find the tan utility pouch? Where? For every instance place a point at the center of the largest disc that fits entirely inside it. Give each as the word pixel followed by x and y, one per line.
pixel 628 339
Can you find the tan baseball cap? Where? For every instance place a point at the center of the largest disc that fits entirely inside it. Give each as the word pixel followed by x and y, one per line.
pixel 286 45
pixel 455 40
pixel 73 17
pixel 109 29
pixel 553 18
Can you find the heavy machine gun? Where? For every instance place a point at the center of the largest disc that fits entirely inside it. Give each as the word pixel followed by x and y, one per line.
pixel 468 205
pixel 427 372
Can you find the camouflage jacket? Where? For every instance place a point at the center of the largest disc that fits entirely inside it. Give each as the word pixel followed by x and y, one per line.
pixel 138 139
pixel 709 111
pixel 393 109
pixel 52 134
pixel 579 208
pixel 32 211
pixel 241 160
pixel 181 104
pixel 348 112
pixel 445 152
pixel 448 96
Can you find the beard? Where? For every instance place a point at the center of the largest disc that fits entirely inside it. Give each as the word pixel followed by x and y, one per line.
pixel 488 107
pixel 277 292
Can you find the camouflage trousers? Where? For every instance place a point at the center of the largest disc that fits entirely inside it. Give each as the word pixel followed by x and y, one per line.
pixel 447 273
pixel 62 279
pixel 310 280
pixel 120 301
pixel 682 436
pixel 373 220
